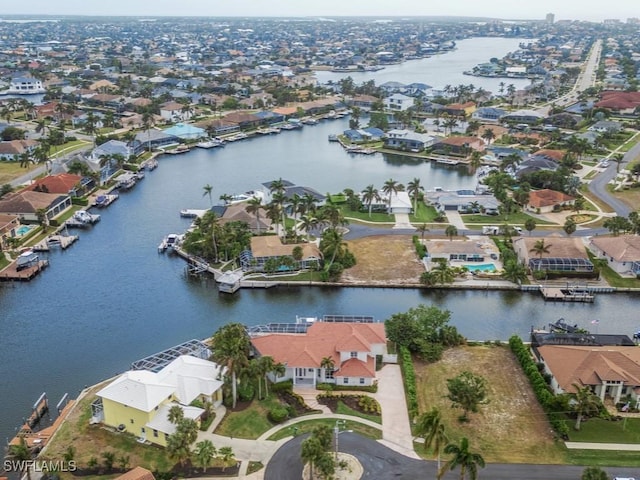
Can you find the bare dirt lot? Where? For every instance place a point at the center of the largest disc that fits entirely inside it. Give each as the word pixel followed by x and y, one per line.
pixel 512 427
pixel 384 259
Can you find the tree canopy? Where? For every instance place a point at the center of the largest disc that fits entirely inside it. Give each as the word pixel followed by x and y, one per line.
pixel 467 391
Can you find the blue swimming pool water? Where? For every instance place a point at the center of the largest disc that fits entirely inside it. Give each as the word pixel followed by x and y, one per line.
pixel 23 230
pixel 483 267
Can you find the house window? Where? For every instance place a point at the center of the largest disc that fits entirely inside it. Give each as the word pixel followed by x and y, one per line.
pixel 156 407
pixel 362 381
pixel 131 420
pixel 328 373
pixel 155 433
pixel 354 354
pixel 311 370
pixel 345 380
pixel 142 430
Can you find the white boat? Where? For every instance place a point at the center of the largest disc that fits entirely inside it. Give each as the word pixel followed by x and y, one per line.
pixel 85 217
pixel 170 242
pixel 211 143
pixel 243 197
pixel 191 213
pixel 26 259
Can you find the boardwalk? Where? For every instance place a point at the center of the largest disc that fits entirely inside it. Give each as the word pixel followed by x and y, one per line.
pixel 12 274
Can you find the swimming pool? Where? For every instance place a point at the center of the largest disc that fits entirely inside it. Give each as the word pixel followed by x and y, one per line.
pixel 23 230
pixel 483 267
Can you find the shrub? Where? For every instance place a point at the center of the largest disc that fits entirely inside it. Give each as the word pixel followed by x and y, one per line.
pixel 278 414
pixel 246 392
pixel 83 202
pixel 409 375
pixel 286 386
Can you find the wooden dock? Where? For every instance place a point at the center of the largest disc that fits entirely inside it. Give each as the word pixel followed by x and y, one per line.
pixel 12 274
pixel 556 294
pixel 63 241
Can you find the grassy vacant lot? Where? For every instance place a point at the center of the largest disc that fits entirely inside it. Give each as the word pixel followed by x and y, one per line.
pixel 382 259
pixel 92 440
pixel 12 170
pixel 512 427
pixel 514 218
pixel 631 197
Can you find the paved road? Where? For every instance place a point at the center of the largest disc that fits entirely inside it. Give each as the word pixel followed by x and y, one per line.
pixel 382 463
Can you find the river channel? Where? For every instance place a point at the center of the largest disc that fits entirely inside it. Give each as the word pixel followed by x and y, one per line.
pixel 111 298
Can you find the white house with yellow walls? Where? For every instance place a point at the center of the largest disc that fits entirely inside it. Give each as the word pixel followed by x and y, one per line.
pixel 138 401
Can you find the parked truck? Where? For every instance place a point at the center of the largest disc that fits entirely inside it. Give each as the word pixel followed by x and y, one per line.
pixel 500 230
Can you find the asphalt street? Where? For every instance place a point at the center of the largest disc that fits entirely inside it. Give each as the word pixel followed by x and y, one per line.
pixel 382 463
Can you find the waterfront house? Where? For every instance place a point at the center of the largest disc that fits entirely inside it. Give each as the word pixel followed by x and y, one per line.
pixel 402 139
pixel 245 120
pixel 290 190
pixel 622 253
pixel 268 250
pixel 350 347
pixel 546 200
pixel 25 85
pixel 219 126
pixel 462 201
pixel 28 204
pixel 398 102
pixel 454 251
pixel 459 109
pixel 138 401
pixel 459 145
pixel 400 203
pixel 566 254
pixel 612 372
pixel 110 148
pixel 152 139
pixel 8 226
pixel 238 213
pixel 364 102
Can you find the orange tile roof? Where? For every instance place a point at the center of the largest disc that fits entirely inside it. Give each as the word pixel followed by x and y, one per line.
pixel 323 339
pixel 592 365
pixel 62 183
pixel 355 368
pixel 138 473
pixel 546 198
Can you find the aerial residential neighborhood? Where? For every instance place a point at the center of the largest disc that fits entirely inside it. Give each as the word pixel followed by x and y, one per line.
pixel 320 247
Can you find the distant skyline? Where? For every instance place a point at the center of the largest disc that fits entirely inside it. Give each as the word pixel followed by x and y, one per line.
pixel 507 9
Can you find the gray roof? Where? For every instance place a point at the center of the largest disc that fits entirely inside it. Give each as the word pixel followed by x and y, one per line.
pixel 151 135
pixel 112 147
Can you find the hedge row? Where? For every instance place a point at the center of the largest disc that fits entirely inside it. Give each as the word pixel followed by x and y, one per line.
pixel 409 375
pixel 421 250
pixel 330 387
pixel 539 385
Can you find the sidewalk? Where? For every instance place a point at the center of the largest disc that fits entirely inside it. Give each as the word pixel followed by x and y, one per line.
pixel 627 447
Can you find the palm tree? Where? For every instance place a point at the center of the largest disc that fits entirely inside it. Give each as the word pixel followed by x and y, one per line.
pixel 431 429
pixel 391 187
pixel 176 413
pixel 231 349
pixel 308 223
pixel 586 402
pixel 254 206
pixel 594 473
pixel 226 454
pixel 618 158
pixel 463 458
pixel 266 366
pixel 204 453
pixel 442 273
pixel 530 225
pixel 422 229
pixel 569 226
pixel 369 194
pixel 540 248
pixel 488 135
pixel 226 198
pixel 311 452
pixel 328 364
pixel 21 453
pixel 451 231
pixel 207 191
pixel 414 189
pixel 331 244
pixel 514 271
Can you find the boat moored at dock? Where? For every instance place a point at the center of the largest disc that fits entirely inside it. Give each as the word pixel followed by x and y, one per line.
pixel 171 241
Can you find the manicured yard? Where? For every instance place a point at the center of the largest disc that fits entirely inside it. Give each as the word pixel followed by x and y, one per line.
pixel 306 426
pixel 364 216
pixel 603 458
pixel 250 422
pixel 615 280
pixel 598 430
pixel 345 410
pixel 425 214
pixel 512 427
pixel 64 149
pixel 517 218
pixel 12 170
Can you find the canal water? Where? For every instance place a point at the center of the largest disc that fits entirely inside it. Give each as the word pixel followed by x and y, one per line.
pixel 111 298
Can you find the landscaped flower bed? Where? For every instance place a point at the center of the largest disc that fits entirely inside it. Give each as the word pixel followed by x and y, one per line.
pixel 359 403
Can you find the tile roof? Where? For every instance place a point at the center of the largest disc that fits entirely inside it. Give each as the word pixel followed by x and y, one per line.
pixel 624 248
pixel 61 183
pixel 28 202
pixel 355 368
pixel 138 473
pixel 547 198
pixel 592 365
pixel 323 339
pixel 272 246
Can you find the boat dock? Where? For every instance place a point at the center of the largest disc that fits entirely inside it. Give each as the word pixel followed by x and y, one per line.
pixel 62 241
pixel 103 201
pixel 557 294
pixel 12 274
pixel 192 213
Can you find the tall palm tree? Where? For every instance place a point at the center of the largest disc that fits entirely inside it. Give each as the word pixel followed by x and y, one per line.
pixel 488 135
pixel 618 158
pixel 586 402
pixel 308 223
pixel 422 229
pixel 415 189
pixel 369 194
pixel 207 191
pixel 294 203
pixel 432 430
pixel 279 199
pixel 463 458
pixel 328 364
pixel 540 248
pixel 332 244
pixel 266 366
pixel 176 413
pixel 21 453
pixel 226 198
pixel 204 453
pixel 231 346
pixel 391 187
pixel 254 206
pixel 451 231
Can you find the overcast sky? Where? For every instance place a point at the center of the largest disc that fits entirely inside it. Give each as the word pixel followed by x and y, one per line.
pixel 592 10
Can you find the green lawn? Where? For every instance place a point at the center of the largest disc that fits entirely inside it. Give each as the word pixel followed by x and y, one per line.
pixel 603 458
pixel 307 426
pixel 4 261
pixel 616 280
pixel 364 216
pixel 345 410
pixel 11 170
pixel 517 218
pixel 249 423
pixel 425 214
pixel 301 277
pixel 65 148
pixel 598 430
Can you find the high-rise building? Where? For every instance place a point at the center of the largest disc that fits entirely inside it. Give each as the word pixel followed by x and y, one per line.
pixel 550 17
